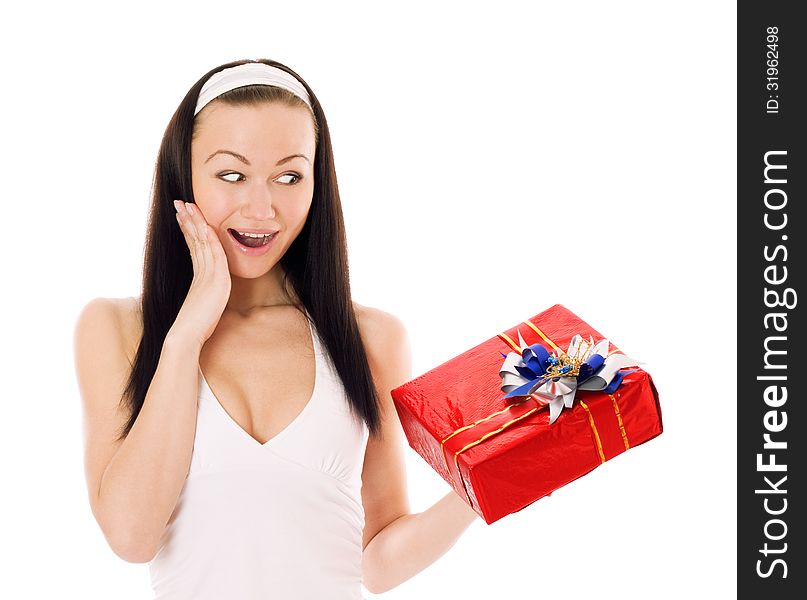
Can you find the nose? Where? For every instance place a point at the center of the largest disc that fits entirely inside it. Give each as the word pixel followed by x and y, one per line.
pixel 259 205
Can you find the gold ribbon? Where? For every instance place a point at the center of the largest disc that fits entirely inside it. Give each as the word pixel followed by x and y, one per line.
pixel 541 403
pixel 619 420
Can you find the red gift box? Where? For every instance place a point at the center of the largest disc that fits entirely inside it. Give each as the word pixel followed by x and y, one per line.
pixel 501 457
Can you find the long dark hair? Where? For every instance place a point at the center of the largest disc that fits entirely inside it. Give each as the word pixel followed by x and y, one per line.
pixel 315 264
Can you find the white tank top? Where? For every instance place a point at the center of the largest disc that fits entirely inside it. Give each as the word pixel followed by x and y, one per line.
pixel 280 520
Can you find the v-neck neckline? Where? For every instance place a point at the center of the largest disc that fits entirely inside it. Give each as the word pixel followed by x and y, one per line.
pixel 295 421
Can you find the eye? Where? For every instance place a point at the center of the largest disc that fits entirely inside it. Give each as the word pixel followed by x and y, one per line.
pixel 297 178
pixel 223 175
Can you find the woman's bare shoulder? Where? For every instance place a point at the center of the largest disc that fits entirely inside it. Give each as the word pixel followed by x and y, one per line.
pixel 129 307
pixel 107 330
pixel 379 329
pixel 129 322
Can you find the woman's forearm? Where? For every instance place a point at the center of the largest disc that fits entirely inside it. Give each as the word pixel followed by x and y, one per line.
pixel 143 480
pixel 413 542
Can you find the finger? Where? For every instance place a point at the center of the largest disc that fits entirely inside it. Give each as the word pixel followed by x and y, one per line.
pixel 190 211
pixel 201 242
pixel 201 225
pixel 216 246
pixel 213 246
pixel 183 218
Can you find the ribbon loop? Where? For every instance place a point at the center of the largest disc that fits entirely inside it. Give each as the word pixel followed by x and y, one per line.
pixel 585 365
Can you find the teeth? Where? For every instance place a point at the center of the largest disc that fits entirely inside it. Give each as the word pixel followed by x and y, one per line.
pixel 255 235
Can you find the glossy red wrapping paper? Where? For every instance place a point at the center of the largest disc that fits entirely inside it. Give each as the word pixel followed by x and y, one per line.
pixel 528 458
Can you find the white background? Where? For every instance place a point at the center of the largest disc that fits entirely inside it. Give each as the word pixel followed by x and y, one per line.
pixel 493 160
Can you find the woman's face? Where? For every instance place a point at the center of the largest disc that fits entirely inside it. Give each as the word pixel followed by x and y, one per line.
pixel 247 174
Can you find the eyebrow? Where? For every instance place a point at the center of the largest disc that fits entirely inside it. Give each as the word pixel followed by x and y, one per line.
pixel 246 162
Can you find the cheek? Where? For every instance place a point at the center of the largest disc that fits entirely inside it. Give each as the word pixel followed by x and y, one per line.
pixel 296 214
pixel 211 203
pixel 212 211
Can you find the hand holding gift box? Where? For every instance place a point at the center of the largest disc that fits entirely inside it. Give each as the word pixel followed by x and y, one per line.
pixel 498 432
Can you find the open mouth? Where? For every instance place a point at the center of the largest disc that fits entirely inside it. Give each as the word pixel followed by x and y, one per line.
pixel 251 241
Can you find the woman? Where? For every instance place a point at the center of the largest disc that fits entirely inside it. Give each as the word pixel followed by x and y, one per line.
pixel 239 431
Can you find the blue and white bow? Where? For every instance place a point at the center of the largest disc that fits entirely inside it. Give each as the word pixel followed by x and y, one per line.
pixel 557 377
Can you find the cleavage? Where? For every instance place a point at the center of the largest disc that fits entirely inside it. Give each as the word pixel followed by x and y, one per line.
pixel 261 371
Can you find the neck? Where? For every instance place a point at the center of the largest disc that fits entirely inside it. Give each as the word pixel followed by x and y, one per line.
pixel 260 292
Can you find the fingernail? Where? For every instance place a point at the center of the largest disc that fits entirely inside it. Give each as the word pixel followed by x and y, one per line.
pixel 189 206
pixel 177 205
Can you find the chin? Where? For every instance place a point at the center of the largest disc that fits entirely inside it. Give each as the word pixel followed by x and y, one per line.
pixel 251 273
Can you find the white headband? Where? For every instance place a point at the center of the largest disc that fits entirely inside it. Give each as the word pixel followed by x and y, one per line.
pixel 248 74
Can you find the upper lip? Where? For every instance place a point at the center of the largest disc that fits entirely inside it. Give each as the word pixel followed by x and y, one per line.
pixel 248 230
